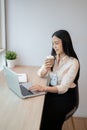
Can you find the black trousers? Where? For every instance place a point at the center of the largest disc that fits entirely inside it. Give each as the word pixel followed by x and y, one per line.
pixel 56 106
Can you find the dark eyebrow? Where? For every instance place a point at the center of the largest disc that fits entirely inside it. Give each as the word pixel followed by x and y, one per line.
pixel 55 42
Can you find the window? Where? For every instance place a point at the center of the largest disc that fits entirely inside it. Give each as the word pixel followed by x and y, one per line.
pixel 2 33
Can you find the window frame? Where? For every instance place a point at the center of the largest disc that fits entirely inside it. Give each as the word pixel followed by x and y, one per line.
pixel 2 33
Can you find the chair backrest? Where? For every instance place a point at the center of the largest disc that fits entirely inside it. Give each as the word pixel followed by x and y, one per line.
pixel 76 105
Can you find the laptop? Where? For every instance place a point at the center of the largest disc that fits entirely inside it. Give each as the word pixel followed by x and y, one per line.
pixel 19 88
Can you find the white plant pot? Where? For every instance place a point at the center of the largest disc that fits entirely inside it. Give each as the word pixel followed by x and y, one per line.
pixel 11 63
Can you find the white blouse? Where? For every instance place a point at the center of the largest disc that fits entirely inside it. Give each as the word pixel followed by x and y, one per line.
pixel 66 71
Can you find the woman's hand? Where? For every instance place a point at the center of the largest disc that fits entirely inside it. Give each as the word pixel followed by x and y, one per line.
pixel 49 63
pixel 44 89
pixel 38 88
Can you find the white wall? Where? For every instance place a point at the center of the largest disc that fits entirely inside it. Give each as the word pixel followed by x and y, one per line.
pixel 30 24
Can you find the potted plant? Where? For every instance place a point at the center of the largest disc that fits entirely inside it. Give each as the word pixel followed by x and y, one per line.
pixel 11 57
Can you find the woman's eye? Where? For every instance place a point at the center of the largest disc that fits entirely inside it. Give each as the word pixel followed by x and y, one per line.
pixel 55 43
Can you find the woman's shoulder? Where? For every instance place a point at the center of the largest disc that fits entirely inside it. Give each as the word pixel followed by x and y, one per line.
pixel 74 60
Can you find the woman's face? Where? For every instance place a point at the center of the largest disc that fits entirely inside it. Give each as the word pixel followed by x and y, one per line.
pixel 57 45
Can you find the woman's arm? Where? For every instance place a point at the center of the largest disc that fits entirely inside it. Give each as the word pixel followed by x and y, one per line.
pixel 44 89
pixel 42 72
pixel 66 82
pixel 46 67
pixel 69 77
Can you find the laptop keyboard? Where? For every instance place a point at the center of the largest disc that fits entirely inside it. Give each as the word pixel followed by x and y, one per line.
pixel 25 91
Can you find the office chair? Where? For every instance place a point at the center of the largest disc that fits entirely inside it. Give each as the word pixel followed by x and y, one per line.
pixel 70 114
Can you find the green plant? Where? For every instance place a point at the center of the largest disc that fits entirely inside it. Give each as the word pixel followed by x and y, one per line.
pixel 11 55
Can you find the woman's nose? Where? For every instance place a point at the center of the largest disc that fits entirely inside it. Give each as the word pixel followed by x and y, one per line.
pixel 55 47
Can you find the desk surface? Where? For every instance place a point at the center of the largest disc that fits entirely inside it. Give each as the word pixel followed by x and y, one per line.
pixel 16 113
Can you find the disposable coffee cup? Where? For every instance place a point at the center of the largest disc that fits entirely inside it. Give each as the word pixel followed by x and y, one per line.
pixel 49 61
pixel 50 57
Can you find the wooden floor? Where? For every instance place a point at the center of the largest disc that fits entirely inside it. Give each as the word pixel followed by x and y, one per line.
pixel 75 123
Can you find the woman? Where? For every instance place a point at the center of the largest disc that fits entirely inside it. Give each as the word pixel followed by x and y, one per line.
pixel 60 98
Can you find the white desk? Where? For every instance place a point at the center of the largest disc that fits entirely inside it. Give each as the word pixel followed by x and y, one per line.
pixel 16 113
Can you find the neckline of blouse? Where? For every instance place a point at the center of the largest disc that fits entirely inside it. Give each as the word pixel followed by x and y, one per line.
pixel 61 59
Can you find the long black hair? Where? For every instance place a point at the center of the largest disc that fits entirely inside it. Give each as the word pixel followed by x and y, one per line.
pixel 67 47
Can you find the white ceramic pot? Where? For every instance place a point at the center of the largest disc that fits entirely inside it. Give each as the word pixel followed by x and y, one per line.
pixel 11 63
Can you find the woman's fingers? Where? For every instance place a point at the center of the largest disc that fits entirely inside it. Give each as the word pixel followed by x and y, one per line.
pixel 33 88
pixel 49 63
pixel 37 88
